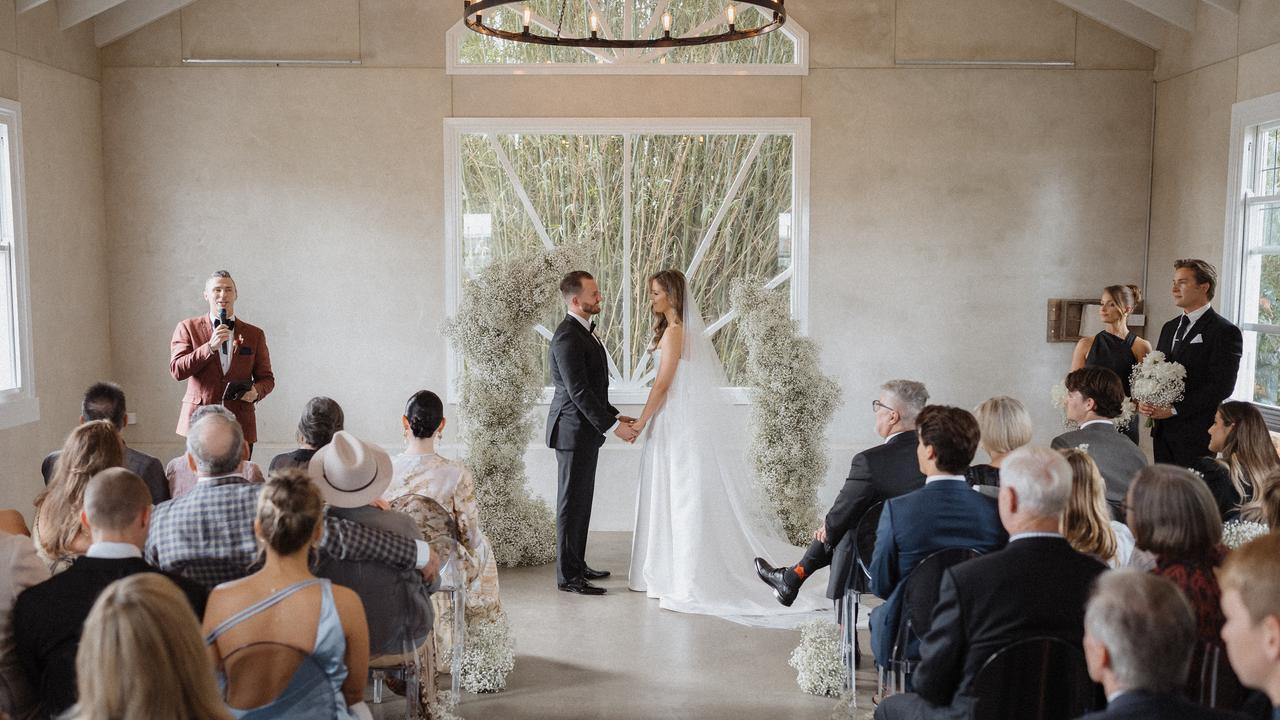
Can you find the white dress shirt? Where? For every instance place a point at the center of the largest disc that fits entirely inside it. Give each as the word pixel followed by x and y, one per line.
pixel 1087 423
pixel 113 551
pixel 933 478
pixel 586 324
pixel 224 350
pixel 1026 535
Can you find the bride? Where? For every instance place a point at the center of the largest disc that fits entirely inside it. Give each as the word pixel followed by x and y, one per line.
pixel 698 524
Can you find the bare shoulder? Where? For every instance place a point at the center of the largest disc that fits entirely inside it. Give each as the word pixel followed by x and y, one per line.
pixel 346 599
pixel 673 335
pixel 1141 347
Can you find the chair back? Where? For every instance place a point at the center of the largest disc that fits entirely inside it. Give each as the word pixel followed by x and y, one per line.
pixel 1211 682
pixel 920 589
pixel 1040 678
pixel 864 546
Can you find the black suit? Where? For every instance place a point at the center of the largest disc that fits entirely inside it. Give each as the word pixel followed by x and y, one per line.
pixel 47 619
pixel 1212 365
pixel 1035 587
pixel 579 417
pixel 141 464
pixel 1143 705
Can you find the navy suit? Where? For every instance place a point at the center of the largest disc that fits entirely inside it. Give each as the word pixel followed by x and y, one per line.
pixel 1142 705
pixel 942 514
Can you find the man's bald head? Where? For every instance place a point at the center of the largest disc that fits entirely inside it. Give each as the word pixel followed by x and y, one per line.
pixel 215 441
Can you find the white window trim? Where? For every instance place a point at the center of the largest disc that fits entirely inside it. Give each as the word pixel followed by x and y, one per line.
pixel 19 406
pixel 798 35
pixel 454 128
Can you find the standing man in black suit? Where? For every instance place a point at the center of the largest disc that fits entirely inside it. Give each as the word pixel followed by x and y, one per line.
pixel 578 422
pixel 1209 347
pixel 879 473
pixel 1036 587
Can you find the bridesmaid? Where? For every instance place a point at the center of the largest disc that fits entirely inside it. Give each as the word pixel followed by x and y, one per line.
pixel 1116 347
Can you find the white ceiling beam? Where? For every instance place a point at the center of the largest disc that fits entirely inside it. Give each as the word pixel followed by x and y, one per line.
pixel 1231 6
pixel 1181 13
pixel 1125 18
pixel 25 5
pixel 74 12
pixel 131 15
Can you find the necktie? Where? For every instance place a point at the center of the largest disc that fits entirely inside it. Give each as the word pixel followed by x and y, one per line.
pixel 1183 325
pixel 592 328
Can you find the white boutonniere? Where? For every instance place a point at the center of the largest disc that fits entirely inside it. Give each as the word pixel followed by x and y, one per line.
pixel 1083 447
pixel 240 340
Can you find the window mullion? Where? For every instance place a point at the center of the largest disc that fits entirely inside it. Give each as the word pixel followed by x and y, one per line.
pixel 628 370
pixel 518 186
pixel 729 197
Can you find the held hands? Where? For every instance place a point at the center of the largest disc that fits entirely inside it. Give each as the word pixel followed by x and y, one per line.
pixel 626 431
pixel 1155 412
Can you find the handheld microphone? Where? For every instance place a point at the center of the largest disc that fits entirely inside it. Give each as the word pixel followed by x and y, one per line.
pixel 222 320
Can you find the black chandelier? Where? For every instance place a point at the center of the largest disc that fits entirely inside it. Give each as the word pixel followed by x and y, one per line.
pixel 474 13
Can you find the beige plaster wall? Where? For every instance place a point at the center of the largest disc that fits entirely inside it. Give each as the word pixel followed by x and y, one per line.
pixel 54 76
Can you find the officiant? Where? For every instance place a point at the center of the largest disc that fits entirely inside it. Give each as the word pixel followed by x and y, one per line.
pixel 223 359
pixel 1209 347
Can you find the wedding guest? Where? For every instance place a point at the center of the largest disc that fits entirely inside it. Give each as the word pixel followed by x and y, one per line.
pixel 1271 500
pixel 89 449
pixel 1116 347
pixel 321 418
pixel 1087 523
pixel 48 617
pixel 1250 580
pixel 276 606
pixel 425 483
pixel 181 474
pixel 1005 426
pixel 945 513
pixel 141 657
pixel 1094 400
pixel 1036 587
pixel 1139 638
pixel 1209 347
pixel 1245 456
pixel 887 470
pixel 105 401
pixel 19 570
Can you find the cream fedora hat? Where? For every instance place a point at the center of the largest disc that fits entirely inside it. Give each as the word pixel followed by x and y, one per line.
pixel 349 471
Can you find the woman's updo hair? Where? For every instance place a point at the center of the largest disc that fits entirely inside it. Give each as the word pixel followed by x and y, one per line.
pixel 425 412
pixel 1126 296
pixel 320 420
pixel 289 509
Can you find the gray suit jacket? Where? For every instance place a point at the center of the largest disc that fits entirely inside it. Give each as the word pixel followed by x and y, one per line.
pixel 1117 457
pixel 143 465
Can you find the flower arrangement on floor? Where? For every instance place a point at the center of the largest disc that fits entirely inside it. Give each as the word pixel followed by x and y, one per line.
pixel 1238 532
pixel 489 654
pixel 501 383
pixel 792 402
pixel 1157 381
pixel 819 668
pixel 1058 394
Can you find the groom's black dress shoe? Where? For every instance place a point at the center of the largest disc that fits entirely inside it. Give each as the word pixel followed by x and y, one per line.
pixel 595 574
pixel 581 587
pixel 776 578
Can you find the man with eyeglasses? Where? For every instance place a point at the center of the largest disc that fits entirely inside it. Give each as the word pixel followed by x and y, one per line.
pixel 878 473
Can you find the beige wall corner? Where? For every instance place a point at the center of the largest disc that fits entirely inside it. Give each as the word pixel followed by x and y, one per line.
pixel 984 30
pixel 1259 73
pixel 847 34
pixel 73 49
pixel 1214 40
pixel 1098 46
pixel 272 29
pixel 9 86
pixel 1259 24
pixel 157 44
pixel 406 33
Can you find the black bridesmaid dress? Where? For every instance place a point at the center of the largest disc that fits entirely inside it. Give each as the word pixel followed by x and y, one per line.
pixel 1116 354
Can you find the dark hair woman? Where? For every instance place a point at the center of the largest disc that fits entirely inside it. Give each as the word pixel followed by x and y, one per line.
pixel 1116 347
pixel 1245 458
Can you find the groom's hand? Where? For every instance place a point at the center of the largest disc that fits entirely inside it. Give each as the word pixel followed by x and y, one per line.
pixel 820 534
pixel 625 432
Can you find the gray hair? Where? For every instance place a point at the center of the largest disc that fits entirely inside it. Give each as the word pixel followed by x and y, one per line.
pixel 1041 478
pixel 1147 626
pixel 911 397
pixel 215 440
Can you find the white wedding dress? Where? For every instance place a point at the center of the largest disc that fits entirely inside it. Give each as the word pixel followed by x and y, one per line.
pixel 699 526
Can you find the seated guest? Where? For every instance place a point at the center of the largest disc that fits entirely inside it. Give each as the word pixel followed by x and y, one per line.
pixel 105 401
pixel 321 418
pixel 1005 427
pixel 1087 523
pixel 425 482
pixel 181 475
pixel 19 570
pixel 141 657
pixel 1139 636
pixel 878 473
pixel 207 534
pixel 1271 500
pixel 1036 587
pixel 1094 398
pixel 1244 458
pixel 1250 580
pixel 283 604
pixel 59 535
pixel 48 617
pixel 945 513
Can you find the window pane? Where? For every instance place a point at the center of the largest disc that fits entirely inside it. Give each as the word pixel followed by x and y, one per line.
pixel 8 356
pixel 1266 374
pixel 1262 223
pixel 1269 180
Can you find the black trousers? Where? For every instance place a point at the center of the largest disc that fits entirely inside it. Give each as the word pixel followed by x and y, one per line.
pixel 1175 450
pixel 817 556
pixel 575 490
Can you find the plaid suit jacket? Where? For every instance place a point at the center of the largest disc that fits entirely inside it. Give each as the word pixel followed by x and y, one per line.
pixel 207 535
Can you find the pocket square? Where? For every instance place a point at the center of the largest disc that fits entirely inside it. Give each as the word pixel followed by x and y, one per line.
pixel 246 351
pixel 1196 339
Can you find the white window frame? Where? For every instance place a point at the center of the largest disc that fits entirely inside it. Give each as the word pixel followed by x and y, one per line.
pixel 798 35
pixel 797 273
pixel 18 405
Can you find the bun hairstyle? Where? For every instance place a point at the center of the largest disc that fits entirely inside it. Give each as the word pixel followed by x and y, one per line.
pixel 425 412
pixel 289 509
pixel 1126 296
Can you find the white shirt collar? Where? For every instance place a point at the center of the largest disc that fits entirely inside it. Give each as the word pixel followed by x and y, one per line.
pixel 237 475
pixel 1027 535
pixel 584 321
pixel 932 478
pixel 113 550
pixel 1101 421
pixel 1194 317
pixel 894 435
pixel 1112 697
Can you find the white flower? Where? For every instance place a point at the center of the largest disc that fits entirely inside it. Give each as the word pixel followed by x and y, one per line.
pixel 1083 447
pixel 1157 381
pixel 820 669
pixel 1238 532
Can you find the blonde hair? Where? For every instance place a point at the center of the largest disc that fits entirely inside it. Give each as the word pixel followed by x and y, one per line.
pixel 1004 423
pixel 89 449
pixel 1086 522
pixel 289 509
pixel 1253 570
pixel 1247 454
pixel 141 656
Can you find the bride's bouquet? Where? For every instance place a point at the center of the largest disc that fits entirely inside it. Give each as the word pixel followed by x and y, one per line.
pixel 1157 381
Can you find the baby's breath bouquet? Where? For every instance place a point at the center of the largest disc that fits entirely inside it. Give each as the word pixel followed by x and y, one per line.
pixel 1238 532
pixel 820 670
pixel 1158 381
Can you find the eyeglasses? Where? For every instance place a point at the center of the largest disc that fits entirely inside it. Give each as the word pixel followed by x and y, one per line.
pixel 876 405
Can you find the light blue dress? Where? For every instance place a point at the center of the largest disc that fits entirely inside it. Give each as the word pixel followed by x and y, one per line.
pixel 315 690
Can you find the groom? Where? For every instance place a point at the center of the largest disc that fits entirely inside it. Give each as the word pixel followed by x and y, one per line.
pixel 577 424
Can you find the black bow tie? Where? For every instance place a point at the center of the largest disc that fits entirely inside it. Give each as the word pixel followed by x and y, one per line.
pixel 230 323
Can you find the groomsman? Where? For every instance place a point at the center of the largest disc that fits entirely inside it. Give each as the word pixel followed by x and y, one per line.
pixel 1209 347
pixel 1094 398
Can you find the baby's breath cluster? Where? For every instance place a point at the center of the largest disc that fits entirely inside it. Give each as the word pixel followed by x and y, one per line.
pixel 819 668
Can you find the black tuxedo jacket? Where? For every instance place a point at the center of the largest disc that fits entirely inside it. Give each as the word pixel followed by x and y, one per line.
pixel 580 413
pixel 47 619
pixel 1143 705
pixel 1035 587
pixel 1212 365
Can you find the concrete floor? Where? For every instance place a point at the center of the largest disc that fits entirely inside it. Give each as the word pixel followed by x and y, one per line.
pixel 619 656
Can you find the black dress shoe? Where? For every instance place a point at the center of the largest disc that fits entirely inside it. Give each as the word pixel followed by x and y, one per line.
pixel 595 574
pixel 776 578
pixel 581 587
